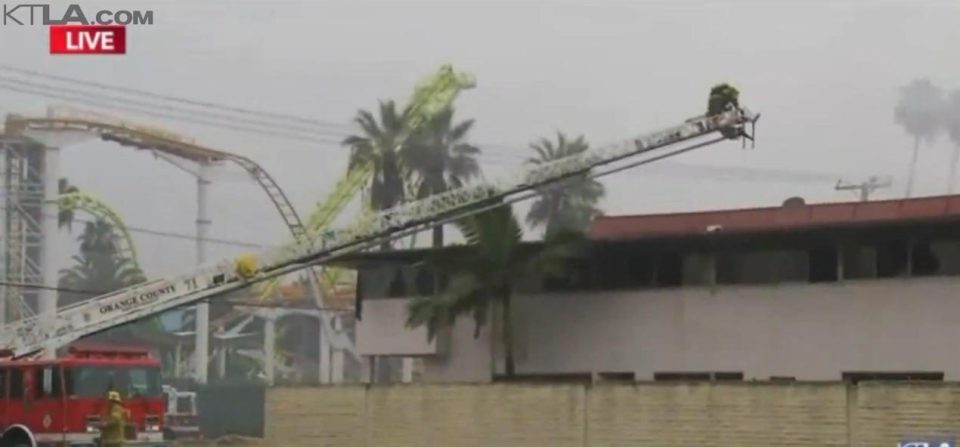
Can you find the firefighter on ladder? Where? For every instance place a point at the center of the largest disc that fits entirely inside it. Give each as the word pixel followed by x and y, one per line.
pixel 114 421
pixel 724 97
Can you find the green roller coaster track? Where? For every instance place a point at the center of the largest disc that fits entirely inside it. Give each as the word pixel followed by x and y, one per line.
pixel 429 98
pixel 74 199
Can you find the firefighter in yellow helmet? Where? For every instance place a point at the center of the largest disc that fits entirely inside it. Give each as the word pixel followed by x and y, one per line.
pixel 112 431
pixel 246 266
pixel 722 98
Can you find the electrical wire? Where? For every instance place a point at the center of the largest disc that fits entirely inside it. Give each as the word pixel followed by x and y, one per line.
pixel 115 88
pixel 167 234
pixel 23 285
pixel 99 104
pixel 114 99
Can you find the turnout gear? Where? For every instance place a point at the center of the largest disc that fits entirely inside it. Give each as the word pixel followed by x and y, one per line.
pixel 724 97
pixel 114 422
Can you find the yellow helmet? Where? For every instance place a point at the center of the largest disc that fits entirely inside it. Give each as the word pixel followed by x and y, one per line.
pixel 246 265
pixel 113 396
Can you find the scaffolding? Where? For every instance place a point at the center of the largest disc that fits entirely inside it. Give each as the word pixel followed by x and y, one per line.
pixel 28 229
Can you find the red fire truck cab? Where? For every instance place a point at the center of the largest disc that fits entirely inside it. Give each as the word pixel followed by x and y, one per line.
pixel 60 402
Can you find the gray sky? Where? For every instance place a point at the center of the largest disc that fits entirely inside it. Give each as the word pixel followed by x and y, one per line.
pixel 823 73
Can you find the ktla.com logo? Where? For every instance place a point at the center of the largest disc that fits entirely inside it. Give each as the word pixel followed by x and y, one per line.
pixel 75 31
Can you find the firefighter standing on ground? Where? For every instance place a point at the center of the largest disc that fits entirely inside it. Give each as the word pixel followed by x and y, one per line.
pixel 111 433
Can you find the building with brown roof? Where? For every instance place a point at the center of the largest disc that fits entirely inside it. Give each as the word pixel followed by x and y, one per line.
pixel 803 291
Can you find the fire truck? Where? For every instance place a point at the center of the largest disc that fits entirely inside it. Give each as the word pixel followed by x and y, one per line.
pixel 57 401
pixel 181 418
pixel 61 401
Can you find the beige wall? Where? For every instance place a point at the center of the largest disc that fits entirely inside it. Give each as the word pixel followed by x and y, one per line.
pixel 383 331
pixel 648 414
pixel 811 332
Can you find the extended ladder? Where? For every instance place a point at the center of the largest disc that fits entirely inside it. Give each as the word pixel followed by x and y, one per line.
pixel 27 336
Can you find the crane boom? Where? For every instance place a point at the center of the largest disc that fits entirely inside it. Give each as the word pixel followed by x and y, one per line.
pixel 26 336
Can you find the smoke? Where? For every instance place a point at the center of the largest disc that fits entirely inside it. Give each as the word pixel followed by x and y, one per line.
pixel 951 124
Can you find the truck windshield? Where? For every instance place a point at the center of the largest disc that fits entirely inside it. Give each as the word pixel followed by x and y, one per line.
pixel 130 381
pixel 185 405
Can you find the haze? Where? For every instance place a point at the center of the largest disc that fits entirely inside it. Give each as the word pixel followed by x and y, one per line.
pixel 824 75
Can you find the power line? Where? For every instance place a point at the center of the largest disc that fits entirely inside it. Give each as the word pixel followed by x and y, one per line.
pixel 166 233
pixel 102 105
pixel 206 104
pixel 268 125
pixel 23 285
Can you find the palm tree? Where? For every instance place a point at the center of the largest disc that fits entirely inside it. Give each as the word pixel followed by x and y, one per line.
pixel 484 273
pixel 570 204
pixel 100 268
pixel 918 112
pixel 380 144
pixel 65 217
pixel 952 126
pixel 439 156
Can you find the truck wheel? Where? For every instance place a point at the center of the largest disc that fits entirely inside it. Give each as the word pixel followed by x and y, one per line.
pixel 16 437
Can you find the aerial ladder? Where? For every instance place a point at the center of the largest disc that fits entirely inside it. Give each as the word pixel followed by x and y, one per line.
pixel 27 337
pixel 430 97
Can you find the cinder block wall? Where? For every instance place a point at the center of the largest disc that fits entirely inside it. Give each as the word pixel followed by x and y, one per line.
pixel 648 414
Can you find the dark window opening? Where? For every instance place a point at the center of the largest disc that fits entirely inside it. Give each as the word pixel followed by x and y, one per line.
pixel 727 376
pixel 616 377
pixel 856 377
pixel 728 268
pixel 398 287
pixel 891 259
pixel 924 261
pixel 947 253
pixel 783 379
pixel 545 378
pixel 642 271
pixel 823 264
pixel 698 376
pixel 669 270
pixel 16 383
pixel 859 261
pixel 425 282
pixel 681 376
pixel 47 382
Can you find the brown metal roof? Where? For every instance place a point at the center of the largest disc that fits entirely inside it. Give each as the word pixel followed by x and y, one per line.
pixel 791 217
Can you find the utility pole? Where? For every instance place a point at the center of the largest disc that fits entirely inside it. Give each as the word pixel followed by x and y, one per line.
pixel 864 189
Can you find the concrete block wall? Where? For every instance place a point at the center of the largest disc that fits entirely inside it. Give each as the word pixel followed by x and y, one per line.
pixel 649 414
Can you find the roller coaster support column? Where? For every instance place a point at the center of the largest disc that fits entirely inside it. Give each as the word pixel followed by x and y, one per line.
pixel 324 344
pixel 203 309
pixel 200 170
pixel 269 343
pixel 47 303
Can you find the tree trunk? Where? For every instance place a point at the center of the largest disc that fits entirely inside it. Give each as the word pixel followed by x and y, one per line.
pixel 913 165
pixel 953 168
pixel 437 186
pixel 509 367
